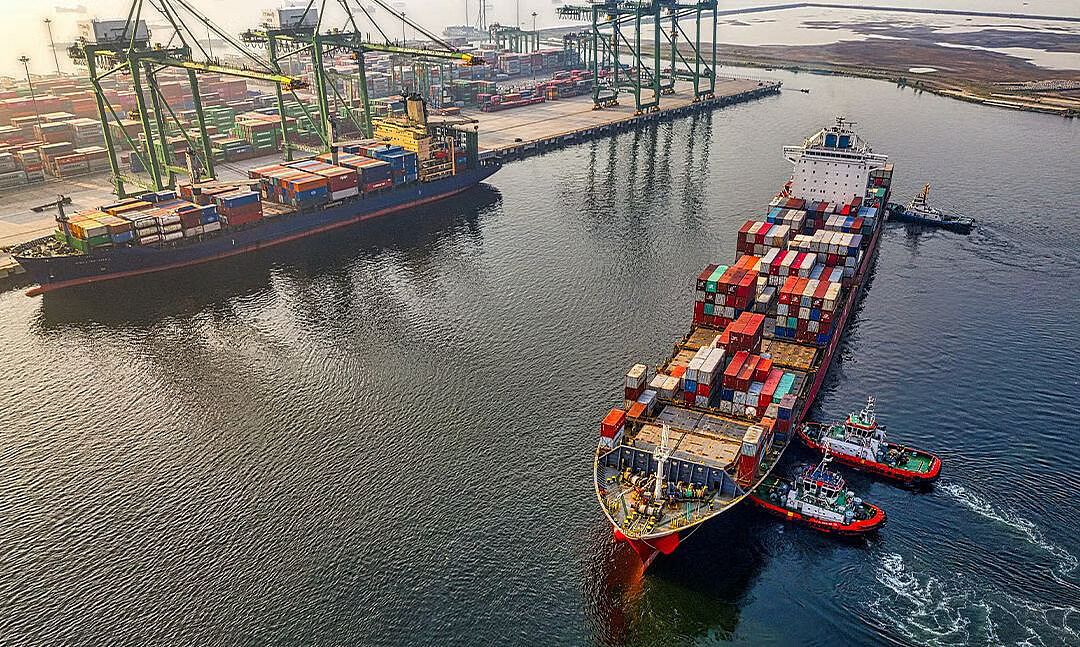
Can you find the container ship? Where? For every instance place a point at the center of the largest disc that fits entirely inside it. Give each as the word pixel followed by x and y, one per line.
pixel 411 165
pixel 698 434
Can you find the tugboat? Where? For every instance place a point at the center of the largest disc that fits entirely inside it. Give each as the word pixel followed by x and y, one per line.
pixel 920 212
pixel 859 442
pixel 818 498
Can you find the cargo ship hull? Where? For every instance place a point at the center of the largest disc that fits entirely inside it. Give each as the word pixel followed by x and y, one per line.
pixel 648 548
pixel 57 272
pixel 716 418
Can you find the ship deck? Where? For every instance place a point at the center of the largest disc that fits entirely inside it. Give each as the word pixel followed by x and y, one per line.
pixel 698 439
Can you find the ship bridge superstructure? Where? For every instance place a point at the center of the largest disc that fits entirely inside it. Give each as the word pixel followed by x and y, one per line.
pixel 833 165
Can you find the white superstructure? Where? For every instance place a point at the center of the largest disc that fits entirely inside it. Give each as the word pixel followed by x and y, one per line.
pixel 832 166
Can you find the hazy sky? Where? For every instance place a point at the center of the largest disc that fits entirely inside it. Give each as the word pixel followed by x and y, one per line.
pixel 22 31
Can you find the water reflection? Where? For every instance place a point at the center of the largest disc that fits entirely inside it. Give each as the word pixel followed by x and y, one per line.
pixel 218 288
pixel 698 591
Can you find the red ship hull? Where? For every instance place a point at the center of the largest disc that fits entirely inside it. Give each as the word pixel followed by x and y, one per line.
pixel 853 529
pixel 880 469
pixel 647 550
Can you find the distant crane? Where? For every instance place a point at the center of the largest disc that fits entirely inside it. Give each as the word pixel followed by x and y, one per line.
pixel 131 53
pixel 646 78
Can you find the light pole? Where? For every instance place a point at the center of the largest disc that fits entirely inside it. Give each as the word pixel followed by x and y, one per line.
pixel 25 60
pixel 517 15
pixel 52 44
pixel 402 28
pixel 537 43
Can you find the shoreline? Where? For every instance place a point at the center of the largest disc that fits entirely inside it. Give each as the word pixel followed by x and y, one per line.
pixel 971 93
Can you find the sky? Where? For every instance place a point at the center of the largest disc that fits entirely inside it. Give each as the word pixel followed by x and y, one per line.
pixel 22 31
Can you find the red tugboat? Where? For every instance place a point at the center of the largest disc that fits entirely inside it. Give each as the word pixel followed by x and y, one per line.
pixel 819 498
pixel 859 442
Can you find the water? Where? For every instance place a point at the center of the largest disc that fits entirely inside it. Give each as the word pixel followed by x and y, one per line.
pixel 384 437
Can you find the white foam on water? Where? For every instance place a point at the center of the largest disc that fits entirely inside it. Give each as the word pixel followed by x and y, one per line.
pixel 1066 561
pixel 947 610
pixel 919 606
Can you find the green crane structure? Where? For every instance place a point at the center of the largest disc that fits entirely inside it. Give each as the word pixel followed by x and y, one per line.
pixel 638 31
pixel 514 39
pixel 289 43
pixel 133 55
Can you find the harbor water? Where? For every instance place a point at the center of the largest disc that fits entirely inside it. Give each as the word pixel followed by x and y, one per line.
pixel 384 436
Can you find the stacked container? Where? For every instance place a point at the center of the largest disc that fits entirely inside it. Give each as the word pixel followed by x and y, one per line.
pixel 238 208
pixel 743 334
pixel 724 292
pixel 634 383
pixel 833 249
pixel 342 182
pixel 702 375
pixel 612 428
pixel 844 223
pixel 793 218
pixel 805 310
pixel 778 264
pixel 86 233
pixel 757 237
pixel 29 160
pixel 751 383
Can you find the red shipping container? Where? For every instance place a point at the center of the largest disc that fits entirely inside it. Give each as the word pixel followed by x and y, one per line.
pixel 612 423
pixel 732 371
pixel 761 371
pixel 746 373
pixel 240 219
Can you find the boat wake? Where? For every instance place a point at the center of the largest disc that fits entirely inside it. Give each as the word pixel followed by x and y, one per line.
pixel 1066 561
pixel 928 610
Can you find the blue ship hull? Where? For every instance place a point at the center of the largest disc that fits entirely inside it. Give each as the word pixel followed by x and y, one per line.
pixel 56 272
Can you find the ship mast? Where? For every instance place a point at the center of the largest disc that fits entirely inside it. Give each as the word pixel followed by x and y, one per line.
pixel 867 413
pixel 662 454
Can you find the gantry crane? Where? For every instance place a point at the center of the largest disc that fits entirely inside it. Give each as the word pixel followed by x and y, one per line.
pixel 306 38
pixel 133 55
pixel 646 78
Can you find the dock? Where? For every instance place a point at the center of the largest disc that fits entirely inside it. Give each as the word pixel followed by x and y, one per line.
pixel 508 135
pixel 520 132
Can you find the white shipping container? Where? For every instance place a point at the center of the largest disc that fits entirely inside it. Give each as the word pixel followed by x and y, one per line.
pixel 635 377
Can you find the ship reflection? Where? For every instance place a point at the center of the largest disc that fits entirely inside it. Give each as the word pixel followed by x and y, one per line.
pixel 696 591
pixel 702 591
pixel 218 288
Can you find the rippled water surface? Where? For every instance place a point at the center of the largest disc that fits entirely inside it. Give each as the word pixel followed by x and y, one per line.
pixel 383 437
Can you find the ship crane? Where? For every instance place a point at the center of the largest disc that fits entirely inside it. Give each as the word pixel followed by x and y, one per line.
pixel 58 204
pixel 662 454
